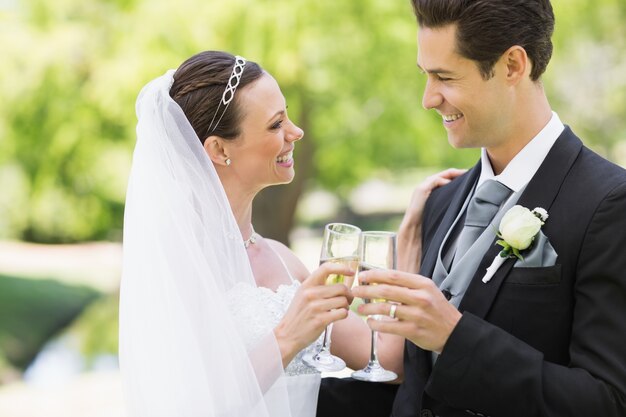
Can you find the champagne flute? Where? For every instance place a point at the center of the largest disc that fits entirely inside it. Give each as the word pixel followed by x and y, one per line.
pixel 340 245
pixel 377 250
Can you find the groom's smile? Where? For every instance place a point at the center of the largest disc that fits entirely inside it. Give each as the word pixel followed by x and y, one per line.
pixel 451 117
pixel 449 120
pixel 456 89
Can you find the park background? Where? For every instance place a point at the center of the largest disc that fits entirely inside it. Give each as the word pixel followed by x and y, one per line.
pixel 70 71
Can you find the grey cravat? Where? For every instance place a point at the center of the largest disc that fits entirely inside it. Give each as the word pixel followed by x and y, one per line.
pixel 454 284
pixel 482 208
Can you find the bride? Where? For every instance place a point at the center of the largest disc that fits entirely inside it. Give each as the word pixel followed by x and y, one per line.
pixel 214 318
pixel 211 315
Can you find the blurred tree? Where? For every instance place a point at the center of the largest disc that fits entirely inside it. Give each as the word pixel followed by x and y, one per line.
pixel 61 149
pixel 32 311
pixel 587 78
pixel 72 69
pixel 97 328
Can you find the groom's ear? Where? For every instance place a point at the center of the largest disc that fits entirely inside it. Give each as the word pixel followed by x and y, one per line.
pixel 518 66
pixel 215 149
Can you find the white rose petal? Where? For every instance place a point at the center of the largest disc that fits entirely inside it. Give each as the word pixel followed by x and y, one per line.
pixel 519 226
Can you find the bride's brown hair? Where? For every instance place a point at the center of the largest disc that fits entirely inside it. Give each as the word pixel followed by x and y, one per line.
pixel 198 86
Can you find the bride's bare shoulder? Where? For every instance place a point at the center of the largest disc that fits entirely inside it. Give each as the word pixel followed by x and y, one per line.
pixel 296 268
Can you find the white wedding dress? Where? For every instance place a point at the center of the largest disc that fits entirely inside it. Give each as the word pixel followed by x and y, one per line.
pixel 257 310
pixel 196 333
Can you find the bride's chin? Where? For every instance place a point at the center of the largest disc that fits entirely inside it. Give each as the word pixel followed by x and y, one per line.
pixel 284 178
pixel 286 181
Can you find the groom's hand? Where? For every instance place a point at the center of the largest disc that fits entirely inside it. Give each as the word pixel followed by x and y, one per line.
pixel 423 315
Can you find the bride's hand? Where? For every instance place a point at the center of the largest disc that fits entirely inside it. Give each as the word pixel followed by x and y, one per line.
pixel 410 232
pixel 313 307
pixel 421 193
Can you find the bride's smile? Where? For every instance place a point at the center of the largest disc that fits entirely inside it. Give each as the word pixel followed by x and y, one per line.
pixel 262 155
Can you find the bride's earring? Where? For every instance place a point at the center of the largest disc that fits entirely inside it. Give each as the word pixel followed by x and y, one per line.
pixel 228 162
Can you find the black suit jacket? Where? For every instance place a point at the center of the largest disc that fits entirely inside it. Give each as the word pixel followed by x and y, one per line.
pixel 546 341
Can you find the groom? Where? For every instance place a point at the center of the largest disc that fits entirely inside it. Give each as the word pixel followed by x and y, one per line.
pixel 546 334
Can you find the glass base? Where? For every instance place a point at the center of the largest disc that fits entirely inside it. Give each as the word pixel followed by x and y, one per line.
pixel 373 372
pixel 324 361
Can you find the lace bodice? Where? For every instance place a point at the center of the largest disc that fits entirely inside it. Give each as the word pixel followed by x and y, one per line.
pixel 258 310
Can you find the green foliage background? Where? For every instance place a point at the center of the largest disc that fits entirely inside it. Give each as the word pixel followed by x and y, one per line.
pixel 70 71
pixel 32 311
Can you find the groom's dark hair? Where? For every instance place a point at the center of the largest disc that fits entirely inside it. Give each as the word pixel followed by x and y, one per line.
pixel 487 28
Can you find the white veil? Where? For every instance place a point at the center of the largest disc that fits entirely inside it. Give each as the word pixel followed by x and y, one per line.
pixel 180 351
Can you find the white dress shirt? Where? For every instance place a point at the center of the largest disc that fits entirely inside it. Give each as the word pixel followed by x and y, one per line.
pixel 525 164
pixel 516 175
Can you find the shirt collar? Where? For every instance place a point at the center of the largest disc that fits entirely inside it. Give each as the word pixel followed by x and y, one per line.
pixel 525 164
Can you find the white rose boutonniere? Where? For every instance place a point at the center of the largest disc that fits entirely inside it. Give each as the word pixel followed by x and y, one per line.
pixel 518 229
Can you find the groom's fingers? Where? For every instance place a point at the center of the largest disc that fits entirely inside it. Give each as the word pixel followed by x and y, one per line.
pixel 420 297
pixel 424 316
pixel 381 309
pixel 399 328
pixel 396 278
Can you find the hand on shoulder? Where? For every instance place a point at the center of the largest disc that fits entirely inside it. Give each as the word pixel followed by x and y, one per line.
pixel 415 210
pixel 410 232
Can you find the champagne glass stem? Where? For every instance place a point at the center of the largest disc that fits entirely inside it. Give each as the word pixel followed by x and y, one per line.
pixel 376 250
pixel 373 350
pixel 326 342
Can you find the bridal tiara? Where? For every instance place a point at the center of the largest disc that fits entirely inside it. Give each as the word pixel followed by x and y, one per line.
pixel 229 92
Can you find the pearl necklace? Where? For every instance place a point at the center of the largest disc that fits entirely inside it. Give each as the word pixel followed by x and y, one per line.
pixel 251 240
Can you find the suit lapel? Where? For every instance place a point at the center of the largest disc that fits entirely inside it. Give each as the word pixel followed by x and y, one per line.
pixel 430 256
pixel 540 192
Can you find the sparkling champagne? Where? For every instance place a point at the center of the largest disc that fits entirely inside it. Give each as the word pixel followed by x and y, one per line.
pixel 377 250
pixel 351 262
